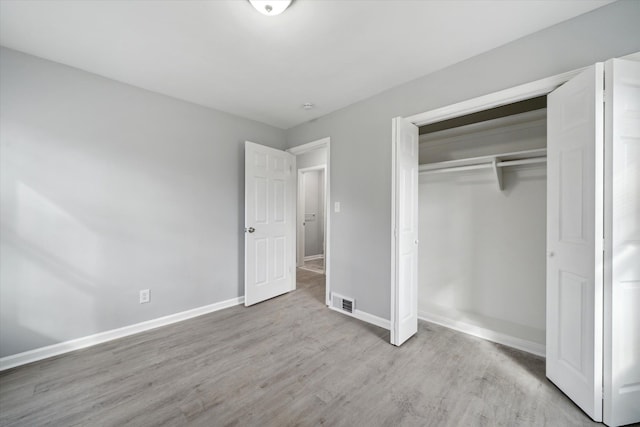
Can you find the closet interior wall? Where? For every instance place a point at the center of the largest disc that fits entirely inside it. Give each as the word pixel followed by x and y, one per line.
pixel 482 262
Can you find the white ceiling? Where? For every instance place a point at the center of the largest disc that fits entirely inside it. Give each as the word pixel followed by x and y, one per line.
pixel 225 55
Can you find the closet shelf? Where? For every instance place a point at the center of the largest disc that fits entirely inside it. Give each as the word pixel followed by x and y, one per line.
pixel 494 161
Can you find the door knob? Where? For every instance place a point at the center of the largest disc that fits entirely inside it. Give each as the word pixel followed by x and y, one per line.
pixel 250 229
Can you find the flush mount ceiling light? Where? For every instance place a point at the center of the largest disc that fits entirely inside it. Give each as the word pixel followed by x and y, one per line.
pixel 270 7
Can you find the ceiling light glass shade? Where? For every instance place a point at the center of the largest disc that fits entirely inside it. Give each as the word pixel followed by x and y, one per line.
pixel 270 7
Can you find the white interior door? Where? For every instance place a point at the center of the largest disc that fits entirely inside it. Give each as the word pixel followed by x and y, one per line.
pixel 574 239
pixel 404 294
pixel 622 261
pixel 270 222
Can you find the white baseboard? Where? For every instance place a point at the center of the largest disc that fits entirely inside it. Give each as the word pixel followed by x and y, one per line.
pixel 313 270
pixel 487 334
pixel 88 341
pixel 312 257
pixel 366 317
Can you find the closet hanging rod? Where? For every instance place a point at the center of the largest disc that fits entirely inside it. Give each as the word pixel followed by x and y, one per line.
pixel 457 168
pixel 495 162
pixel 505 163
pixel 500 160
pixel 488 165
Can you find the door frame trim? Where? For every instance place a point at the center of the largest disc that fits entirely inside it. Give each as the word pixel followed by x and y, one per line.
pixel 502 97
pixel 304 148
pixel 496 99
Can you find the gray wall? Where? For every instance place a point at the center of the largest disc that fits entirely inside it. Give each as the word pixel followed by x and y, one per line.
pixel 107 189
pixel 361 134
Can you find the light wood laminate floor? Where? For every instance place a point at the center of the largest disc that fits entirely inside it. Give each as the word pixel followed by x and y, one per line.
pixel 288 361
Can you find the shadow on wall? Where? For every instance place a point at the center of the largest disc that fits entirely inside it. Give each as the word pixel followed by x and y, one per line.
pixel 46 254
pixel 108 189
pixel 87 223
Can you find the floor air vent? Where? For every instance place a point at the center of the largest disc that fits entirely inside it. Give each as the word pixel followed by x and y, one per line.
pixel 343 303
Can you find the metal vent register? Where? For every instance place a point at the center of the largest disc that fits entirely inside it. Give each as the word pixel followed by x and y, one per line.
pixel 343 303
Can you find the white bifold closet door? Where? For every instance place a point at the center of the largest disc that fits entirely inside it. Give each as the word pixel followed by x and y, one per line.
pixel 593 240
pixel 270 234
pixel 622 244
pixel 404 294
pixel 575 149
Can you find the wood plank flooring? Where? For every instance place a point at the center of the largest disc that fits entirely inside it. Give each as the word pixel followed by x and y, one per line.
pixel 286 362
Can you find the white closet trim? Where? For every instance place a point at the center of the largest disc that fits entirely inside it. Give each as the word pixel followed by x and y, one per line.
pixel 496 99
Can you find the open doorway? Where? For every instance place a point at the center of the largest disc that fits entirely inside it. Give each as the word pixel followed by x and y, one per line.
pixel 312 228
pixel 311 213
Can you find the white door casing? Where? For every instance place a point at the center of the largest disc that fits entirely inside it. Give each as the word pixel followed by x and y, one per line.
pixel 305 148
pixel 575 150
pixel 300 220
pixel 270 185
pixel 622 244
pixel 404 293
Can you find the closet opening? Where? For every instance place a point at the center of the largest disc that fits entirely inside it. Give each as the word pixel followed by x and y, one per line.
pixel 482 224
pixel 408 159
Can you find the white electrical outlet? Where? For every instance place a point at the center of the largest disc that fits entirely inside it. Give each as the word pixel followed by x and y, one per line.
pixel 336 207
pixel 145 296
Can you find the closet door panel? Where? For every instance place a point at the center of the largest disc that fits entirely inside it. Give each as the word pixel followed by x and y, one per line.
pixel 622 273
pixel 574 239
pixel 404 294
